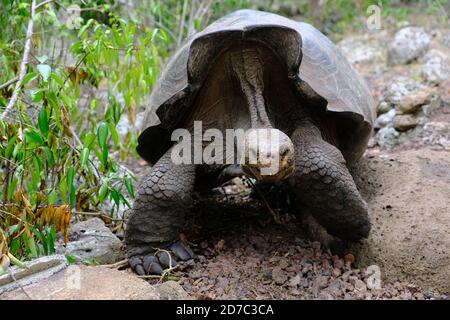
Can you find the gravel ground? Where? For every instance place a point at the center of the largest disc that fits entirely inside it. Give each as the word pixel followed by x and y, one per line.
pixel 271 262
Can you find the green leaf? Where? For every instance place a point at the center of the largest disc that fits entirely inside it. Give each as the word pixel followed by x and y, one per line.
pixel 51 235
pixel 28 77
pixel 63 190
pixel 84 157
pixel 72 196
pixel 33 136
pixel 57 79
pixel 31 245
pixel 84 28
pixel 70 259
pixel 69 176
pixel 114 134
pixel 41 238
pixel 48 155
pixel 37 95
pixel 115 196
pixel 52 197
pixel 102 134
pixel 45 70
pixel 42 58
pixel 88 140
pixel 103 192
pixel 129 187
pixel 104 156
pixel 9 146
pixel 43 121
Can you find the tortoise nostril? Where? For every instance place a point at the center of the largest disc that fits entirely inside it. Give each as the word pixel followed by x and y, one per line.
pixel 284 151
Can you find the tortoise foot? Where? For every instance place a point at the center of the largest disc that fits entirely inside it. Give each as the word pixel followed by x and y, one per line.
pixel 161 260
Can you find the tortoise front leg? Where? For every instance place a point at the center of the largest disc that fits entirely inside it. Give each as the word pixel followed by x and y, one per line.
pixel 324 187
pixel 158 215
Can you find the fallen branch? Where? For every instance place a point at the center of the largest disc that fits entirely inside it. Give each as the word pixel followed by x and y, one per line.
pixel 98 214
pixel 23 64
pixel 117 265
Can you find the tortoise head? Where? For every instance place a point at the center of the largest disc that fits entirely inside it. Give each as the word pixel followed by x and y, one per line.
pixel 268 155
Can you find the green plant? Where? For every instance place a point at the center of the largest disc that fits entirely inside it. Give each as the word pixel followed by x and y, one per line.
pixel 64 87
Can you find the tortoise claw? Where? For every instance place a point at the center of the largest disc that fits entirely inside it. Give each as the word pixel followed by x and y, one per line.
pixel 182 251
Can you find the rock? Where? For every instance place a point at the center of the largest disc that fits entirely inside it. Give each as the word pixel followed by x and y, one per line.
pixel 435 68
pixel 386 137
pixel 434 104
pixel 360 285
pixel 92 240
pixel 384 107
pixel 409 44
pixel 294 281
pixel 404 122
pixel 408 197
pixel 171 290
pixel 79 282
pixel 34 271
pixel 412 102
pixel 399 88
pixel 436 133
pixel 385 119
pixel 279 276
pixel 360 50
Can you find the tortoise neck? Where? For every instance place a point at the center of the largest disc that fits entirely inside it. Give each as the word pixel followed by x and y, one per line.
pixel 249 69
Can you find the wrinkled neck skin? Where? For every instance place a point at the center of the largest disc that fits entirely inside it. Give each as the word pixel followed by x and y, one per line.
pixel 269 154
pixel 249 70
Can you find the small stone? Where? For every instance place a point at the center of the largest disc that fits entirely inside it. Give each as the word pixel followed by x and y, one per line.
pixel 283 264
pixel 419 296
pixel 409 43
pixel 279 276
pixel 349 258
pixel 435 70
pixel 325 296
pixel 336 272
pixel 360 286
pixel 412 102
pixel 294 281
pixel 360 50
pixel 398 88
pixel 384 107
pixel 404 122
pixel 385 119
pixel 171 290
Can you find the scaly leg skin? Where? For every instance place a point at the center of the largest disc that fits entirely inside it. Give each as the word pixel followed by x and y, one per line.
pixel 157 217
pixel 324 187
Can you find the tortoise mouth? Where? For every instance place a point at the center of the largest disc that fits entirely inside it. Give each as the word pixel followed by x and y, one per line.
pixel 261 175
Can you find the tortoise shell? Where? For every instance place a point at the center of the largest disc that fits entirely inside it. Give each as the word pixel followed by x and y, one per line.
pixel 318 72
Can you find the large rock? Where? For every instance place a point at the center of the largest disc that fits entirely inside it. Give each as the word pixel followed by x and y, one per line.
pixel 412 102
pixel 435 67
pixel 91 240
pixel 399 88
pixel 409 201
pixel 79 282
pixel 409 43
pixel 34 271
pixel 404 122
pixel 360 50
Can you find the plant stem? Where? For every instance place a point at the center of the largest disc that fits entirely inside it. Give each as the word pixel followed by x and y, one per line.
pixel 23 64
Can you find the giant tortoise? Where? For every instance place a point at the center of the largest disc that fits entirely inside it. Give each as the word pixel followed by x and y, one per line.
pixel 253 70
